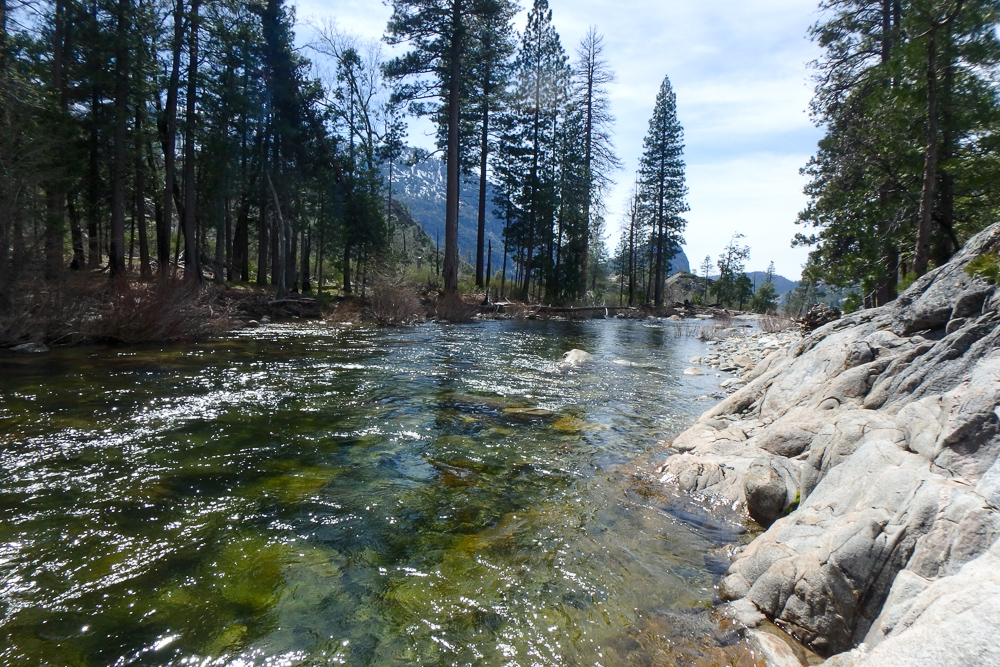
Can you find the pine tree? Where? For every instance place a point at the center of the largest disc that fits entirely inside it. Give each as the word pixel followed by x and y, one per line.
pixel 439 32
pixel 490 66
pixel 733 285
pixel 543 77
pixel 661 183
pixel 592 75
pixel 900 178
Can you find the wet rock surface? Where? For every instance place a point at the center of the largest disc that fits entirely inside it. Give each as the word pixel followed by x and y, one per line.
pixel 869 451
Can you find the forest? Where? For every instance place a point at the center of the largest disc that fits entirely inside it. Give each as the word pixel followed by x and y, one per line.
pixel 153 142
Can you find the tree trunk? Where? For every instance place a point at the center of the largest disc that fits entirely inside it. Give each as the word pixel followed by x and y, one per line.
pixel 533 201
pixel 192 263
pixel 145 271
pixel 924 218
pixel 347 269
pixel 489 267
pixel 169 141
pixel 116 254
pixel 76 232
pixel 306 252
pixel 279 258
pixel 631 256
pixel 588 158
pixel 484 147
pixel 94 168
pixel 262 240
pixel 241 240
pixel 291 248
pixel 451 198
pixel 275 251
pixel 55 222
pixel 944 214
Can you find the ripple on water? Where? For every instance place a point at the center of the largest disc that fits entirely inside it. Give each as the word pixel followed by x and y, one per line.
pixel 304 494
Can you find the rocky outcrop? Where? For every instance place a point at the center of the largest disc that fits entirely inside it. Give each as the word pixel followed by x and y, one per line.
pixel 869 452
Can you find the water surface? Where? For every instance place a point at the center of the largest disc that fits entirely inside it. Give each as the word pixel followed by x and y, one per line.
pixel 311 495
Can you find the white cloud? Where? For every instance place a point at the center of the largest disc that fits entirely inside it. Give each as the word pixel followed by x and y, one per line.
pixel 757 195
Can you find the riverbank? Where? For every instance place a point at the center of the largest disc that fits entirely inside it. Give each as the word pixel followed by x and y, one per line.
pixel 868 451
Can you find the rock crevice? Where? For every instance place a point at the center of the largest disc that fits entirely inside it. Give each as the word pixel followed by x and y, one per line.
pixel 869 452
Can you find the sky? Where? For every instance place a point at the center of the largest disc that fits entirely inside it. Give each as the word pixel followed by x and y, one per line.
pixel 740 72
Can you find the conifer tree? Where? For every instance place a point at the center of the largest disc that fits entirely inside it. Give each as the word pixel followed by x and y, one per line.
pixel 490 64
pixel 439 31
pixel 661 184
pixel 903 174
pixel 592 75
pixel 543 77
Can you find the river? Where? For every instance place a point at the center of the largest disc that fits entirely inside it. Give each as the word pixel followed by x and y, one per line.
pixel 311 495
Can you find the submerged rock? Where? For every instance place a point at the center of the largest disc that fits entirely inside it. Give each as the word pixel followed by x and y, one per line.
pixel 869 451
pixel 30 348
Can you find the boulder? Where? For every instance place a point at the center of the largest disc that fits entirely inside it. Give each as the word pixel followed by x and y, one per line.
pixel 870 452
pixel 575 358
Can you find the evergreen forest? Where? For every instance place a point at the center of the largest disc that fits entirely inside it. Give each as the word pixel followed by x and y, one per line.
pixel 190 142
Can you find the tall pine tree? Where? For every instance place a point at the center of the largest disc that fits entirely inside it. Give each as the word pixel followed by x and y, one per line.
pixel 661 184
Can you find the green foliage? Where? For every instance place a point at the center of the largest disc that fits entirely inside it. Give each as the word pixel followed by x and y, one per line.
pixel 907 281
pixel 986 266
pixel 765 300
pixel 662 190
pixel 852 302
pixel 873 98
pixel 733 286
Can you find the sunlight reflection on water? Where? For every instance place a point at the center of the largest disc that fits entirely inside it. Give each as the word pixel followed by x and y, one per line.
pixel 304 494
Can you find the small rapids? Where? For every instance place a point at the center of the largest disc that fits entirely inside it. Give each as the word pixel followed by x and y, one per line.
pixel 311 495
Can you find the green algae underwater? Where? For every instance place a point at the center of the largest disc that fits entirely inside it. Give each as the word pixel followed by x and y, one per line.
pixel 314 495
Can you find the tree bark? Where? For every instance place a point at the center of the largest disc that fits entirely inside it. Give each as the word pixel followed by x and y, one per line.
pixel 924 217
pixel 306 252
pixel 116 255
pixel 588 158
pixel 279 259
pixel 241 240
pixel 55 223
pixel 347 269
pixel 76 233
pixel 145 271
pixel 169 146
pixel 192 260
pixel 262 227
pixel 484 147
pixel 451 197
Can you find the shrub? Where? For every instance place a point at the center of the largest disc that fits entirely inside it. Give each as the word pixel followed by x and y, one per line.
pixel 852 302
pixel 765 300
pixel 78 312
pixel 775 323
pixel 986 266
pixel 394 304
pixel 452 308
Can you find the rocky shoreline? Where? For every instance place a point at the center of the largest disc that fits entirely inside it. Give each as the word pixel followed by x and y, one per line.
pixel 869 451
pixel 740 353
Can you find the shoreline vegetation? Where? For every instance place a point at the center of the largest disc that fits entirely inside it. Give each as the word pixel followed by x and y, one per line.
pixel 87 310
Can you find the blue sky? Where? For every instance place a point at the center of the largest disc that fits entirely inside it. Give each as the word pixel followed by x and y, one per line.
pixel 743 87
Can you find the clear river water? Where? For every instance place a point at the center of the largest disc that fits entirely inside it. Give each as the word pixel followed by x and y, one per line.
pixel 315 495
